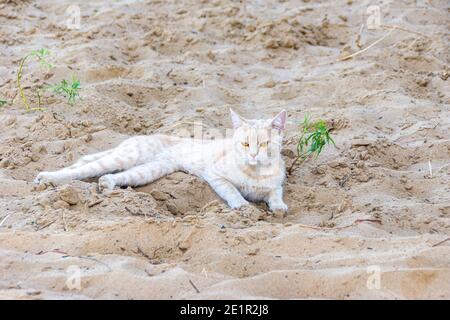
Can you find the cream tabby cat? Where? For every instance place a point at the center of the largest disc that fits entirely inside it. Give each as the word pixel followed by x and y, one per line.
pixel 247 166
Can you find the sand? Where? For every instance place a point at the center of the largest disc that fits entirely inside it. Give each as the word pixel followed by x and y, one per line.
pixel 378 215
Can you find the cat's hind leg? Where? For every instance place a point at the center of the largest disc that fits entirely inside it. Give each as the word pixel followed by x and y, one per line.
pixel 117 160
pixel 89 158
pixel 139 175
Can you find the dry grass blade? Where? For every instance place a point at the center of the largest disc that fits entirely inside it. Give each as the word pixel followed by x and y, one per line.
pixel 194 286
pixel 358 39
pixel 46 225
pixel 366 48
pixel 405 29
pixel 339 228
pixel 4 219
pixel 441 242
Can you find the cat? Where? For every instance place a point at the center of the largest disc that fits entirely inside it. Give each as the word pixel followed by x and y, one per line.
pixel 246 167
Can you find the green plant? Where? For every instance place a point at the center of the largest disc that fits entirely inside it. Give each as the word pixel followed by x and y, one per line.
pixel 2 102
pixel 69 90
pixel 41 57
pixel 313 138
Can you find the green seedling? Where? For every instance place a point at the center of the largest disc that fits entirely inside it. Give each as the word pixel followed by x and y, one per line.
pixel 68 90
pixel 3 102
pixel 313 138
pixel 41 56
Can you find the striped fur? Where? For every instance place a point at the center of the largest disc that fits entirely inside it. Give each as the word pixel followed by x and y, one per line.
pixel 246 167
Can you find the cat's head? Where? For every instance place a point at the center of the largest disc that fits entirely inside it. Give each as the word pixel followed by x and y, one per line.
pixel 258 142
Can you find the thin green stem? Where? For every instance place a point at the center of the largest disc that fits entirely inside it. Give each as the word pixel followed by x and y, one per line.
pixel 40 54
pixel 314 137
pixel 19 85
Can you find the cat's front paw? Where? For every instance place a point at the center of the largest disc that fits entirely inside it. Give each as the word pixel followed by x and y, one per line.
pixel 45 177
pixel 106 182
pixel 278 208
pixel 238 204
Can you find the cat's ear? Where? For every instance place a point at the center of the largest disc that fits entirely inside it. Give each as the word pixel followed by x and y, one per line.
pixel 236 119
pixel 279 121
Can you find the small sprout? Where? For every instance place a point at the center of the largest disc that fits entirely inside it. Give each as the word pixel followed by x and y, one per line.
pixel 314 137
pixel 2 102
pixel 41 57
pixel 68 90
pixel 41 54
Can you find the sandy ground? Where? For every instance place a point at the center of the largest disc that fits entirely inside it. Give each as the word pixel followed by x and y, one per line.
pixel 157 67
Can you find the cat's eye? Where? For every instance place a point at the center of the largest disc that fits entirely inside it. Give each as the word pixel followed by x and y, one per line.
pixel 245 144
pixel 264 144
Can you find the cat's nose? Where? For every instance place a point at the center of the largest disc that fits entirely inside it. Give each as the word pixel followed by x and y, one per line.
pixel 253 155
